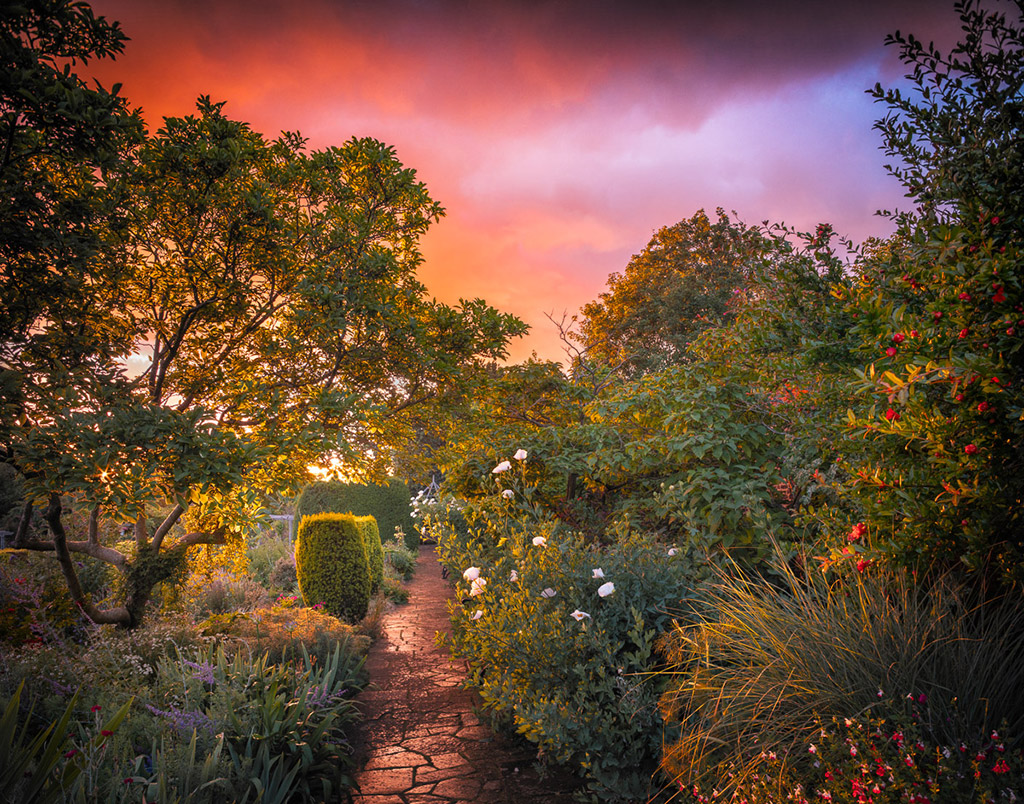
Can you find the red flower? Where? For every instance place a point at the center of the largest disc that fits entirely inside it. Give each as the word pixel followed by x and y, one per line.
pixel 863 564
pixel 970 449
pixel 71 753
pixel 913 333
pixel 1001 767
pixel 963 332
pixel 857 531
pixel 937 315
pixel 999 297
pixel 106 733
pixel 995 219
pixel 983 406
pixel 96 708
pixel 964 296
pixel 899 337
pixel 891 351
pixel 892 415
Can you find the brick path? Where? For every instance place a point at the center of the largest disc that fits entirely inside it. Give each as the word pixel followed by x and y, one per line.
pixel 420 741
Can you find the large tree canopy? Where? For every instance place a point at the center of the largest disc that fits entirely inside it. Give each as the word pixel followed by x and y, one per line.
pixel 681 283
pixel 259 308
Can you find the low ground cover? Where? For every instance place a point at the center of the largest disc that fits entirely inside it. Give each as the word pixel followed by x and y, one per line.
pixel 234 691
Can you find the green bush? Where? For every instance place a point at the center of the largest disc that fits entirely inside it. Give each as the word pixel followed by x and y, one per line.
pixel 389 504
pixel 374 551
pixel 400 559
pixel 770 662
pixel 332 565
pixel 566 659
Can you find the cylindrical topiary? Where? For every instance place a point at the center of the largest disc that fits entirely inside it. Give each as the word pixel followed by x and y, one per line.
pixel 332 566
pixel 374 551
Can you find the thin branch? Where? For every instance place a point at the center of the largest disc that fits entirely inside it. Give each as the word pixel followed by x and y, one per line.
pixel 165 526
pixel 20 536
pixel 141 537
pixel 94 525
pixel 118 615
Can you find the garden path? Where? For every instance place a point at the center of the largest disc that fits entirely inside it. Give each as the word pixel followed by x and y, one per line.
pixel 420 740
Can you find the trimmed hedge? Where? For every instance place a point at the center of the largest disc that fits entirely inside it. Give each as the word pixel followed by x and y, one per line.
pixel 374 551
pixel 332 565
pixel 389 504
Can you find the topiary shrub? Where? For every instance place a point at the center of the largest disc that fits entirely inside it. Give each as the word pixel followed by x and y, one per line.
pixel 332 566
pixel 374 551
pixel 389 504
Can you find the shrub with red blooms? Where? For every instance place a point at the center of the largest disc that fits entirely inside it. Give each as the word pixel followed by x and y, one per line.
pixel 877 760
pixel 943 481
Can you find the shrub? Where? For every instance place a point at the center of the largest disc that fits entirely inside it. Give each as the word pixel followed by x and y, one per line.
pixel 283 629
pixel 769 662
pixel 265 554
pixel 332 565
pixel 283 576
pixel 400 559
pixel 567 664
pixel 374 551
pixel 224 593
pixel 388 504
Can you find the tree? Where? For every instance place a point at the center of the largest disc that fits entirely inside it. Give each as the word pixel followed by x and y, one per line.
pixel 272 305
pixel 940 310
pixel 58 141
pixel 681 283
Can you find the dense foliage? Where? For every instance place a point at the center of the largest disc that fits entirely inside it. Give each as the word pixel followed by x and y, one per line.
pixel 374 551
pixel 193 316
pixel 332 564
pixel 388 503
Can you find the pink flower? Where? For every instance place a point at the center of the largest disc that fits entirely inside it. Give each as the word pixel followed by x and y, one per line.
pixel 891 351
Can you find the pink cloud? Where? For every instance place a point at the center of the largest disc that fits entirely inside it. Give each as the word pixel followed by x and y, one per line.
pixel 559 135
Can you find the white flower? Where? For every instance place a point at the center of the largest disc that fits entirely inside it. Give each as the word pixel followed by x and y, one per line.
pixel 471 574
pixel 504 466
pixel 673 550
pixel 520 455
pixel 478 614
pixel 549 592
pixel 606 589
pixel 598 572
pixel 477 587
pixel 508 494
pixel 813 748
pixel 513 576
pixel 540 541
pixel 579 615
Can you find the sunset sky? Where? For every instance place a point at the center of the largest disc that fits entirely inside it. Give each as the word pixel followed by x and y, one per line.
pixel 558 135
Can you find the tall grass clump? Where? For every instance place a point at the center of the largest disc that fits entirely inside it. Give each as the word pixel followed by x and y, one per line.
pixel 770 663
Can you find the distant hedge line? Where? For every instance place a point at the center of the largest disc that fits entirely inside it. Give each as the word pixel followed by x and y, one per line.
pixel 389 505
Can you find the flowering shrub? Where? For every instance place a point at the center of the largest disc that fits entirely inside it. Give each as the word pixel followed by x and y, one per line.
pixel 766 664
pixel 565 653
pixel 871 760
